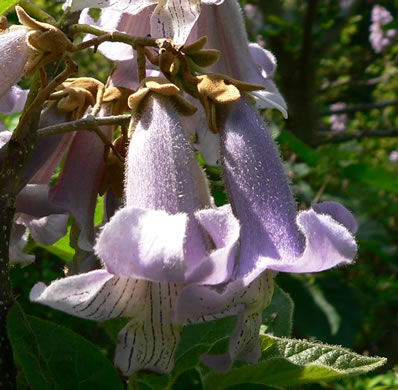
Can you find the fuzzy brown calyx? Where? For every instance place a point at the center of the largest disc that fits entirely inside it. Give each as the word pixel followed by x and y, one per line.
pixel 3 23
pixel 75 95
pixel 215 88
pixel 46 40
pixel 118 96
pixel 163 87
pixel 223 89
pixel 198 55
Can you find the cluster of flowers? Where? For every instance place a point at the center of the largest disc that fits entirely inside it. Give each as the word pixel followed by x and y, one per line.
pixel 168 255
pixel 379 38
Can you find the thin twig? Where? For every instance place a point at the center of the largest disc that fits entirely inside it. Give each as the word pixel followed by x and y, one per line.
pixel 141 61
pixel 36 12
pixel 88 123
pixel 111 36
pixel 21 130
pixel 372 81
pixel 323 139
pixel 321 190
pixel 359 107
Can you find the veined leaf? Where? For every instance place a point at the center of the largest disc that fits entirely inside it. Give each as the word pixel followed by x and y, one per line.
pixel 290 362
pixel 55 358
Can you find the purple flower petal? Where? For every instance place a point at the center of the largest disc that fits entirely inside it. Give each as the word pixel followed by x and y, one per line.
pixel 223 228
pixel 96 295
pixel 14 100
pixel 78 184
pixel 45 230
pixel 271 238
pixel 113 20
pixel 14 54
pixel 264 59
pixel 151 248
pixel 162 173
pixel 148 341
pixel 201 303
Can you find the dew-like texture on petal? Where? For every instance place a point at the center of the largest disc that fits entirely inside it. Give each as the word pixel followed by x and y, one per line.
pixel 96 295
pixel 78 184
pixel 258 189
pixel 161 172
pixel 271 235
pixel 14 53
pixel 14 100
pixel 144 244
pixel 150 339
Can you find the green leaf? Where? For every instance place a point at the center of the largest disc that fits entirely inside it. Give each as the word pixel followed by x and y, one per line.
pixel 307 154
pixel 61 248
pixel 373 176
pixel 277 317
pixel 55 358
pixel 6 4
pixel 290 362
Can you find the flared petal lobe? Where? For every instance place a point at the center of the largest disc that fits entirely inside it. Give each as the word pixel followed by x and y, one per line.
pixel 271 236
pixel 158 236
pixel 148 341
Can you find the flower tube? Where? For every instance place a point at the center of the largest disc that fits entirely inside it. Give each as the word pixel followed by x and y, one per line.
pixel 273 237
pixel 153 247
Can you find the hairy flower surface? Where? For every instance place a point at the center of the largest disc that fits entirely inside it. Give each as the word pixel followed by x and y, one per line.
pixel 272 235
pixel 153 247
pixel 14 54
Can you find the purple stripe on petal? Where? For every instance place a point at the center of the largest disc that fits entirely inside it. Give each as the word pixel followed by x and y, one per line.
pixel 150 340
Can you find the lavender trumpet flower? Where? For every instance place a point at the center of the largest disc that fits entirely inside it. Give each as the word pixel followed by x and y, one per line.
pixel 272 236
pixel 153 247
